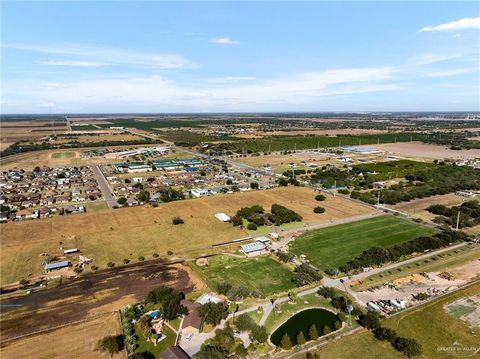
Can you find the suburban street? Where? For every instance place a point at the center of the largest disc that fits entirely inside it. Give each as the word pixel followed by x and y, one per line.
pixel 104 186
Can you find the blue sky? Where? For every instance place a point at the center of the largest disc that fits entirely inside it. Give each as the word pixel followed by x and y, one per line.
pixel 85 57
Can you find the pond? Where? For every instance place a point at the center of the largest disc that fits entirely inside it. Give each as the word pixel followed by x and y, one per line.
pixel 302 321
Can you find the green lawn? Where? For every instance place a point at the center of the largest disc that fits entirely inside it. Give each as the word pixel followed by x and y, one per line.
pixel 259 273
pixel 144 345
pixel 335 246
pixel 67 154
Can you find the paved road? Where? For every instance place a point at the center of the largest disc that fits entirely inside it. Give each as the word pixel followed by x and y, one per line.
pixel 107 192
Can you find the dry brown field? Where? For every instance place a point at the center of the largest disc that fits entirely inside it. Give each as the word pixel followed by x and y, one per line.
pixel 113 235
pixel 424 150
pixel 417 207
pixel 100 138
pixel 74 341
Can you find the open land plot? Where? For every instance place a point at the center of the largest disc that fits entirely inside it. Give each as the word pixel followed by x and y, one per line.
pixel 89 296
pixel 263 273
pixel 434 328
pixel 429 324
pixel 114 235
pixel 456 261
pixel 334 246
pixel 100 138
pixel 417 206
pixel 74 341
pixel 424 150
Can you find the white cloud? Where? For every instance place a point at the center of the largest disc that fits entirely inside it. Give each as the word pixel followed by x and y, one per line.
pixel 73 63
pixel 427 59
pixel 156 93
pixel 230 79
pixel 454 72
pixel 224 41
pixel 110 55
pixel 462 24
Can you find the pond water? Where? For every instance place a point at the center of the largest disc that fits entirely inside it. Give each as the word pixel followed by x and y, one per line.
pixel 302 322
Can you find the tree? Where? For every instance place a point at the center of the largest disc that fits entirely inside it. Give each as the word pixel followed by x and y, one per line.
pixel 371 320
pixel 110 344
pixel 143 196
pixel 252 226
pixel 259 333
pixel 409 347
pixel 385 334
pixel 169 299
pixel 177 220
pixel 319 210
pixel 213 313
pixel 337 325
pixel 320 197
pixel 212 352
pixel 141 258
pixel 126 261
pixel 229 182
pixel 326 330
pixel 122 200
pixel 142 355
pixel 110 264
pixel 286 342
pixel 301 338
pixel 312 332
pixel 254 185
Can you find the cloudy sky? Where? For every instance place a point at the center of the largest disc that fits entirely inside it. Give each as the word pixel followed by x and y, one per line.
pixel 95 57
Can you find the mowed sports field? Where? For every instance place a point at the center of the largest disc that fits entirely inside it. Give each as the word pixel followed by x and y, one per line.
pixel 261 273
pixel 113 235
pixel 334 246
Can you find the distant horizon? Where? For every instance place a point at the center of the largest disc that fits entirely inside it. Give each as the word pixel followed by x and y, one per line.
pixel 45 114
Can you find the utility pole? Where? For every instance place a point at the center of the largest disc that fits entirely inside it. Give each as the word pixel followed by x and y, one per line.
pixel 335 188
pixel 458 220
pixel 378 199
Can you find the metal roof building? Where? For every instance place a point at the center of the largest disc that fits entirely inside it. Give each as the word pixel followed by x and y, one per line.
pixel 56 265
pixel 252 247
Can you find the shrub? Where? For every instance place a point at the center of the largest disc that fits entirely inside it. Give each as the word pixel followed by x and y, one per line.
pixel 320 197
pixel 110 264
pixel 177 220
pixel 126 261
pixel 252 226
pixel 141 258
pixel 110 344
pixel 319 209
pixel 94 267
pixel 155 255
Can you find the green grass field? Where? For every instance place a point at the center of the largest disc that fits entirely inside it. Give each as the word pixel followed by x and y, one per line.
pixel 67 154
pixel 335 246
pixel 260 273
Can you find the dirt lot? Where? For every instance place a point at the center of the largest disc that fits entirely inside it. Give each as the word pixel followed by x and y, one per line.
pixel 424 150
pixel 130 232
pixel 413 284
pixel 417 207
pixel 74 341
pixel 89 296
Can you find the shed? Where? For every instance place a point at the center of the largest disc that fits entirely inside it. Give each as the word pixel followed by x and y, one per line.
pixel 262 239
pixel 222 217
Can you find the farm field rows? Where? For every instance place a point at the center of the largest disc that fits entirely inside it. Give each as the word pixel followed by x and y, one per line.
pixel 261 273
pixel 113 235
pixel 334 246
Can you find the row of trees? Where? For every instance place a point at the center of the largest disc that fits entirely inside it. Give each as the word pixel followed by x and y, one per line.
pixel 408 346
pixel 469 214
pixel 376 256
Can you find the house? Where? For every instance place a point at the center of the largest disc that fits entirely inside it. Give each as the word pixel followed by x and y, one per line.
pixel 192 321
pixel 252 249
pixel 25 214
pixel 198 192
pixel 174 353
